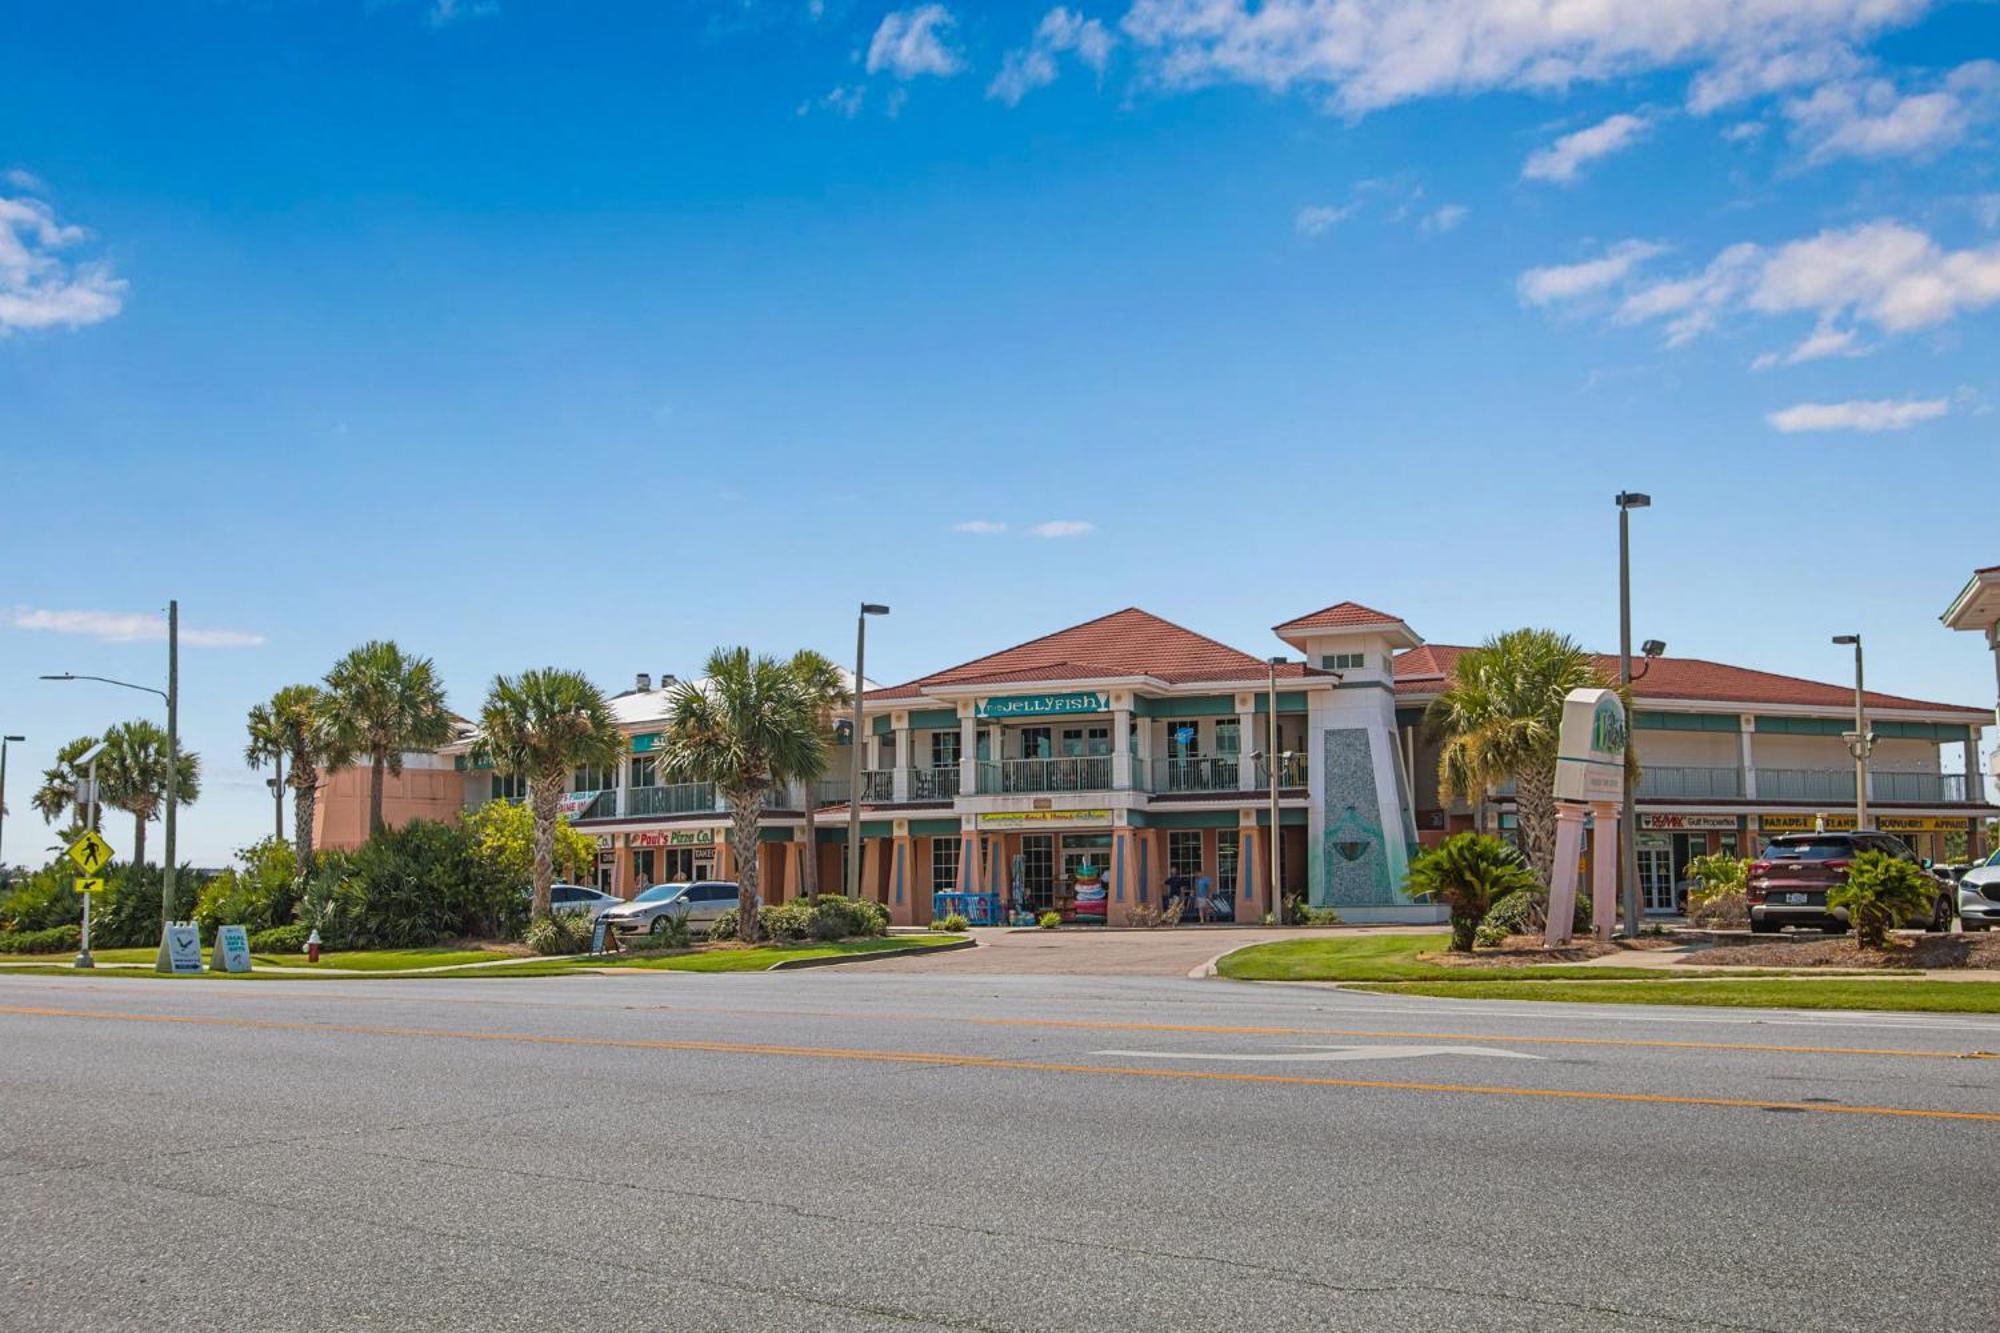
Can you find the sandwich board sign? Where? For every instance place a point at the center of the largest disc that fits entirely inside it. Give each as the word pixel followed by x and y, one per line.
pixel 232 950
pixel 182 946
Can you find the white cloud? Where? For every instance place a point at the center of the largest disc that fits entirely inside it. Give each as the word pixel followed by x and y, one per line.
pixel 1859 414
pixel 1563 159
pixel 910 42
pixel 1824 341
pixel 126 627
pixel 22 179
pixel 1567 282
pixel 984 527
pixel 1034 66
pixel 843 101
pixel 1445 218
pixel 1880 273
pixel 39 287
pixel 1872 118
pixel 1366 54
pixel 1319 219
pixel 443 12
pixel 1063 527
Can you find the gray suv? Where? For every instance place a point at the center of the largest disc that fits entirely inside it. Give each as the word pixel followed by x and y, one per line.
pixel 1979 895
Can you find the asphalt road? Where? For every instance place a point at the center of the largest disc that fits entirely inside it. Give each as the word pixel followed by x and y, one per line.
pixel 835 1150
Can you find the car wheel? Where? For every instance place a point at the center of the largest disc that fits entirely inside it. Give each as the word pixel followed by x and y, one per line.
pixel 1763 927
pixel 659 926
pixel 1941 916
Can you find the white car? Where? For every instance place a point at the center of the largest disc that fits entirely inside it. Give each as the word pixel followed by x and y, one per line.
pixel 1979 895
pixel 699 904
pixel 582 898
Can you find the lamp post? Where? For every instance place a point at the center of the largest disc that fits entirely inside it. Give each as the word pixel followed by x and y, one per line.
pixel 1860 741
pixel 1628 818
pixel 4 742
pixel 1277 842
pixel 854 748
pixel 172 696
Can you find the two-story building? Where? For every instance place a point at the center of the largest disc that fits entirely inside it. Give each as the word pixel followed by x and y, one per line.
pixel 1138 751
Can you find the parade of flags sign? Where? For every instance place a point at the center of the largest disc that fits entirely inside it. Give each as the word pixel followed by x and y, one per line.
pixel 91 853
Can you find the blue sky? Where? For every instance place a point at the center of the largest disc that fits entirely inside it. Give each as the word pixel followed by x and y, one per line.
pixel 598 334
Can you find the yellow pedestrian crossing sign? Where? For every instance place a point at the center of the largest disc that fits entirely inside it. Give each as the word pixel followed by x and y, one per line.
pixel 90 852
pixel 91 885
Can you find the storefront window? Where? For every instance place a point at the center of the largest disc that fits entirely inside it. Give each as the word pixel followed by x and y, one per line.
pixel 1036 743
pixel 642 867
pixel 1184 852
pixel 944 750
pixel 510 787
pixel 1228 738
pixel 684 865
pixel 1038 869
pixel 1081 741
pixel 593 779
pixel 944 864
pixel 1227 849
pixel 645 771
pixel 1183 739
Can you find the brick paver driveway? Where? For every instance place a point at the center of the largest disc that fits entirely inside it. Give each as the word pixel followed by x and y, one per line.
pixel 1095 953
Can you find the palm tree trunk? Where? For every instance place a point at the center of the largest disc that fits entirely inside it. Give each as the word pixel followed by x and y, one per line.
pixel 545 798
pixel 378 767
pixel 745 814
pixel 1535 805
pixel 305 798
pixel 138 837
pixel 809 863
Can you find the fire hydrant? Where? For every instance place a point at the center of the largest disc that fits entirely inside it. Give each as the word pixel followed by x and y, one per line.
pixel 312 947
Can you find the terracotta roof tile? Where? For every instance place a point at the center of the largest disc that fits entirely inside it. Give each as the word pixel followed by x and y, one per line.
pixel 1341 615
pixel 1125 643
pixel 1424 671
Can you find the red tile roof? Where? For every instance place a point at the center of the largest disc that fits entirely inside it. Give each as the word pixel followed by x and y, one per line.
pixel 1423 671
pixel 1125 643
pixel 1341 615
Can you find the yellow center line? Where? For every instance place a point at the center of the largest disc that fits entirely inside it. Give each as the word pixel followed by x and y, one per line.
pixel 951 1060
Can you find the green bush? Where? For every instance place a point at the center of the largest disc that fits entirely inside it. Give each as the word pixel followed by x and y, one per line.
pixel 668 932
pixel 1881 890
pixel 1319 916
pixel 831 917
pixel 1520 913
pixel 261 895
pixel 42 899
pixel 412 887
pixel 56 939
pixel 127 914
pixel 281 939
pixel 953 923
pixel 559 933
pixel 1469 872
pixel 787 922
pixel 1049 920
pixel 1718 895
pixel 1489 936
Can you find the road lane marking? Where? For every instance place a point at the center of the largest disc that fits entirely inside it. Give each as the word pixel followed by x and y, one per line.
pixel 1327 1053
pixel 945 1059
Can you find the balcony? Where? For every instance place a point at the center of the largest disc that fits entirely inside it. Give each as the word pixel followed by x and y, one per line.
pixel 1292 770
pixel 1010 777
pixel 1923 788
pixel 1806 784
pixel 1171 776
pixel 934 784
pixel 682 798
pixel 603 806
pixel 1690 784
pixel 878 785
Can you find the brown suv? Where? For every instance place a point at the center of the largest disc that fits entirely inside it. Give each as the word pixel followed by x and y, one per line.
pixel 1788 883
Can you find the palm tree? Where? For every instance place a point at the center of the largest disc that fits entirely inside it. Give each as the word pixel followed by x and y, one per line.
pixel 295 725
pixel 383 701
pixel 56 796
pixel 542 725
pixel 1500 721
pixel 747 725
pixel 1469 872
pixel 826 687
pixel 133 774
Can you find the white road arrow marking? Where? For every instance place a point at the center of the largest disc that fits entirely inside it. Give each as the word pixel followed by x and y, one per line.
pixel 1327 1053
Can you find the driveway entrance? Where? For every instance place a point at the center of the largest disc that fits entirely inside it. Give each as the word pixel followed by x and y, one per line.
pixel 1171 952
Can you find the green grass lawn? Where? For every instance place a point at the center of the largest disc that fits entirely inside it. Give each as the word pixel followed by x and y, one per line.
pixel 715 960
pixel 1956 997
pixel 354 960
pixel 1381 958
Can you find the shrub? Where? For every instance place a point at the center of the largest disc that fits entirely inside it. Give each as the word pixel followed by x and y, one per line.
pixel 56 939
pixel 502 834
pixel 1469 872
pixel 787 922
pixel 559 933
pixel 1881 890
pixel 1319 916
pixel 263 894
pixel 1049 920
pixel 831 917
pixel 668 932
pixel 1489 936
pixel 952 924
pixel 723 928
pixel 414 886
pixel 127 914
pixel 42 900
pixel 1717 897
pixel 281 939
pixel 1519 913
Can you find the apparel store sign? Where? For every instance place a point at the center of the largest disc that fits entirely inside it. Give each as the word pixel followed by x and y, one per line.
pixel 678 837
pixel 1044 705
pixel 1006 818
pixel 1845 823
pixel 1689 823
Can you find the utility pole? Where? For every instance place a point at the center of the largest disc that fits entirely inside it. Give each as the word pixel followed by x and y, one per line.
pixel 1277 842
pixel 173 775
pixel 1860 741
pixel 855 742
pixel 5 740
pixel 1628 817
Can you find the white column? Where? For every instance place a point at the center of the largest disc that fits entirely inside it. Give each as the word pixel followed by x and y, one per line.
pixel 1975 780
pixel 899 781
pixel 1562 893
pixel 968 753
pixel 1247 742
pixel 1748 733
pixel 1604 862
pixel 1122 774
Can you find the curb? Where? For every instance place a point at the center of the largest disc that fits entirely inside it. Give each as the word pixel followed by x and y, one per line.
pixel 835 960
pixel 1208 969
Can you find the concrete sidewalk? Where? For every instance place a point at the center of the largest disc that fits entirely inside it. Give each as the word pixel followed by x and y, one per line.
pixel 1172 951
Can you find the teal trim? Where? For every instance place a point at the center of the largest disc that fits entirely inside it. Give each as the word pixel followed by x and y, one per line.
pixel 1657 721
pixel 1289 701
pixel 874 828
pixel 1062 703
pixel 934 828
pixel 883 725
pixel 1197 705
pixel 1360 685
pixel 774 835
pixel 1286 818
pixel 934 719
pixel 648 742
pixel 1194 819
pixel 1144 705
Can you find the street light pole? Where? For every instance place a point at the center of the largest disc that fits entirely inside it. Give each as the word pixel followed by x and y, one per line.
pixel 854 744
pixel 1271 763
pixel 4 741
pixel 1628 818
pixel 1860 742
pixel 173 774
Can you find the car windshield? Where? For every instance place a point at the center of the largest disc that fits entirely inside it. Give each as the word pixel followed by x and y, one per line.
pixel 1810 849
pixel 659 893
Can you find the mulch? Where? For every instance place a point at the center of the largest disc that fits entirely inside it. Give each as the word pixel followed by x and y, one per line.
pixel 1521 950
pixel 1904 951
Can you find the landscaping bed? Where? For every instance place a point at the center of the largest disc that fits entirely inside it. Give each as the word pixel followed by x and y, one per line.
pixel 1904 952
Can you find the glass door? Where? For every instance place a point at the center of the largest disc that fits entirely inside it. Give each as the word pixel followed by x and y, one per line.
pixel 1656 873
pixel 1038 873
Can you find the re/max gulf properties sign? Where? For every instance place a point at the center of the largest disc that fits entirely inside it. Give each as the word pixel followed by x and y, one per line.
pixel 1043 705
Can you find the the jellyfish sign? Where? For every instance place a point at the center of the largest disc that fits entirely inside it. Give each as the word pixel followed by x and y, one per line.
pixel 1590 780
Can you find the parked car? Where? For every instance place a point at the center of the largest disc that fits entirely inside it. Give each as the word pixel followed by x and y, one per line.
pixel 1979 895
pixel 581 898
pixel 699 904
pixel 1788 884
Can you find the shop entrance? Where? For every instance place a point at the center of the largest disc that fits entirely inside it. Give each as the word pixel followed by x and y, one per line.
pixel 1656 872
pixel 684 865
